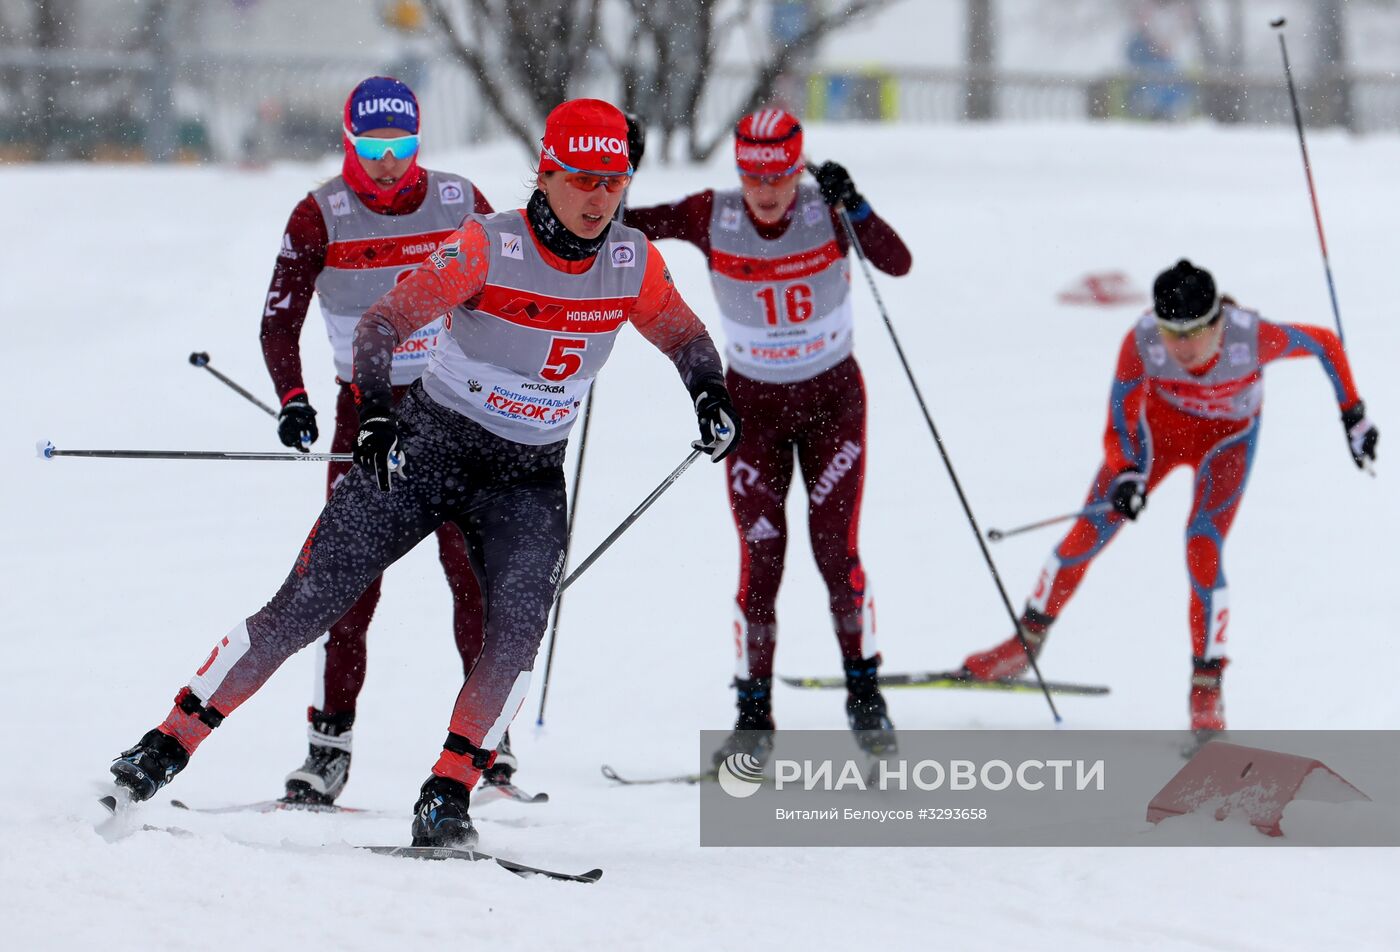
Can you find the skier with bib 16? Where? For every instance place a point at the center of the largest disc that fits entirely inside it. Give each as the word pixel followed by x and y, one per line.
pixel 535 298
pixel 777 256
pixel 1187 392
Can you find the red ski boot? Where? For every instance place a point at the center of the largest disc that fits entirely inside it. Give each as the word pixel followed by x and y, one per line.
pixel 1008 659
pixel 1207 704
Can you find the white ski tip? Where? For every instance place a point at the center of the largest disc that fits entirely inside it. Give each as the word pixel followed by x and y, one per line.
pixel 43 449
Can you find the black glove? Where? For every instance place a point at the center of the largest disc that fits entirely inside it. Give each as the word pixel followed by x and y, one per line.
pixel 837 187
pixel 1362 434
pixel 377 448
pixel 719 422
pixel 296 424
pixel 636 140
pixel 1128 492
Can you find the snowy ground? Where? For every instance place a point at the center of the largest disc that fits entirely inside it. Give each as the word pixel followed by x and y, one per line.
pixel 120 575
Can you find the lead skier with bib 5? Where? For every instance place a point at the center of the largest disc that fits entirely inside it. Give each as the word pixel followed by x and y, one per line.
pixel 1187 392
pixel 535 299
pixel 347 243
pixel 777 257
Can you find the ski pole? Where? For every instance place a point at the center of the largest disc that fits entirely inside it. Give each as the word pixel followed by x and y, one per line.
pixel 46 450
pixel 636 514
pixel 568 542
pixel 942 451
pixel 996 535
pixel 201 359
pixel 1279 24
pixel 1307 172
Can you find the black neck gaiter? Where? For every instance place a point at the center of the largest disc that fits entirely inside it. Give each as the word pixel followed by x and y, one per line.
pixel 554 236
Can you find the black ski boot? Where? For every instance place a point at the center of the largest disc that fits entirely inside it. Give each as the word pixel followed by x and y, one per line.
pixel 150 765
pixel 865 708
pixel 321 779
pixel 499 773
pixel 753 729
pixel 440 816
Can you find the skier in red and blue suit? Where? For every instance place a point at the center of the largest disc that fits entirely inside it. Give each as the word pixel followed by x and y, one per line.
pixel 1187 392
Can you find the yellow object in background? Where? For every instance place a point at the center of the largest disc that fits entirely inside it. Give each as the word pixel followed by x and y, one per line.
pixel 406 16
pixel 870 94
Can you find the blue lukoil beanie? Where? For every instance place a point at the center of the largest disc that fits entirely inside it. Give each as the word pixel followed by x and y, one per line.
pixel 381 102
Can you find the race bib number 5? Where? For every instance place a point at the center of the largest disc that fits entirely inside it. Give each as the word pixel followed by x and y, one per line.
pixel 565 358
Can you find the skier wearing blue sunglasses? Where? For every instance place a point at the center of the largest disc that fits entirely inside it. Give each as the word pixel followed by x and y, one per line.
pixel 373 146
pixel 347 243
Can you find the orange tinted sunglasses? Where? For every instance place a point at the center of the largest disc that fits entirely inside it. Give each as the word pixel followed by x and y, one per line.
pixel 754 181
pixel 590 181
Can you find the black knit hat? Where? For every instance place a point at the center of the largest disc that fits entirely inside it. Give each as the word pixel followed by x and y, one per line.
pixel 1184 295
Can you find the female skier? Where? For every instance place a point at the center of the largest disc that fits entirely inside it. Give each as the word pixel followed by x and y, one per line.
pixel 535 299
pixel 777 255
pixel 1187 392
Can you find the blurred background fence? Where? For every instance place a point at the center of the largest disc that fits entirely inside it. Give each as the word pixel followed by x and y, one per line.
pixel 244 80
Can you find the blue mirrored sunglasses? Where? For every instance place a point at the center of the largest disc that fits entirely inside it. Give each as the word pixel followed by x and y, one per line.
pixel 372 148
